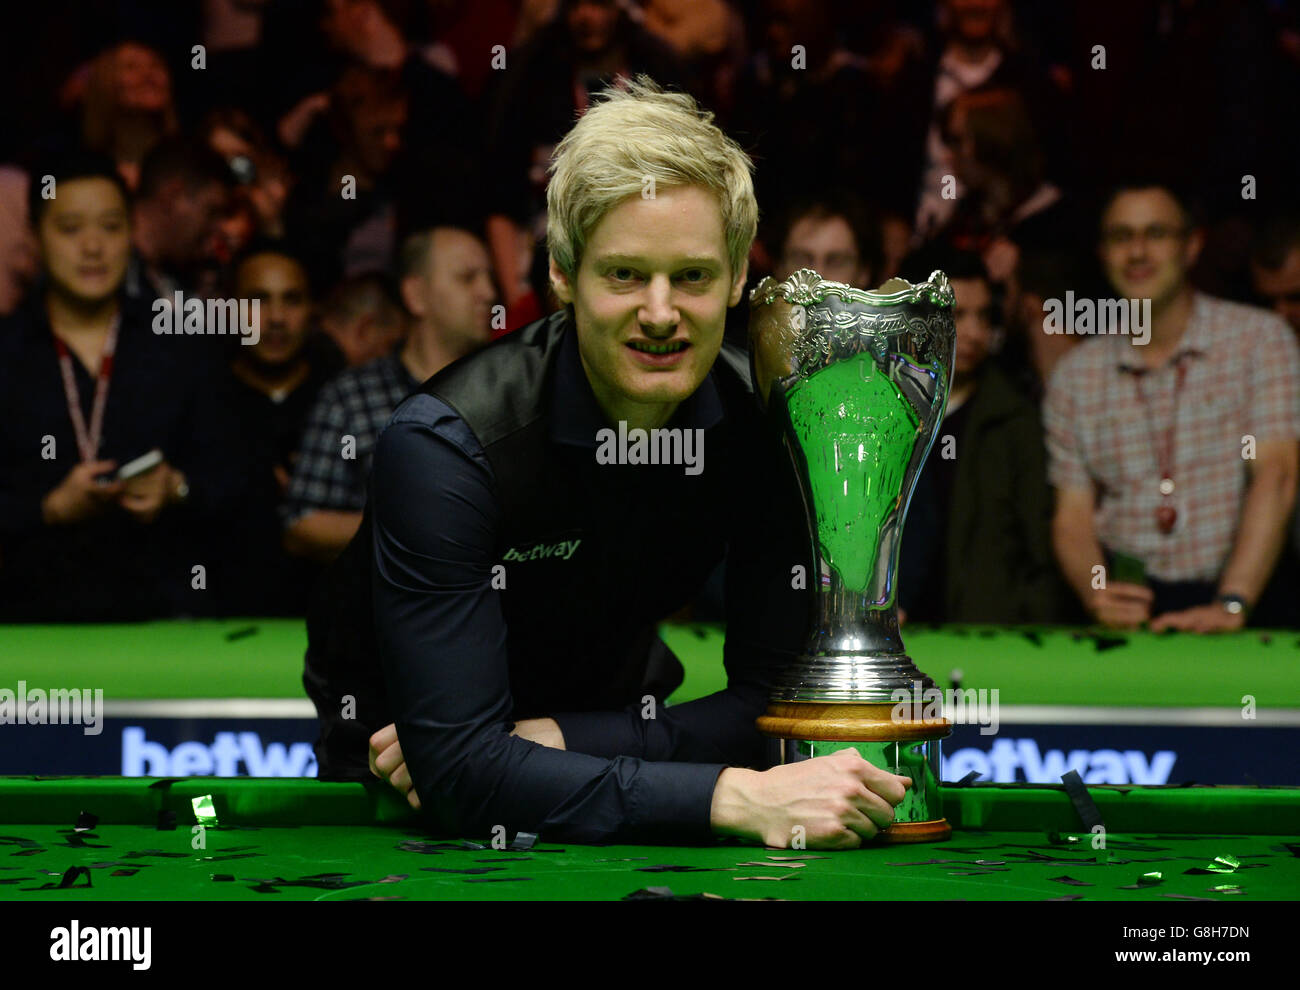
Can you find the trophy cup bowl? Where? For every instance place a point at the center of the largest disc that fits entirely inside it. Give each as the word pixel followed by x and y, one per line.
pixel 857 382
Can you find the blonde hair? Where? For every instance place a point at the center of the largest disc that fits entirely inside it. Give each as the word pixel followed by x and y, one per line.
pixel 637 133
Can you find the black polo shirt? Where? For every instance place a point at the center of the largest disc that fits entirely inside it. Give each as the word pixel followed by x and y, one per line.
pixel 515 576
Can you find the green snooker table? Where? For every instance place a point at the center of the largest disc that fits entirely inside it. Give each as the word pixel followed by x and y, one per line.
pixel 307 840
pixel 262 659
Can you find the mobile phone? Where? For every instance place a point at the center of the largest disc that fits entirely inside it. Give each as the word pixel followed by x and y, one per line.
pixel 141 465
pixel 1128 570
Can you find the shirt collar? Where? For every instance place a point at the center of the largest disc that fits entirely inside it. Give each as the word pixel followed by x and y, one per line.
pixel 1196 339
pixel 576 417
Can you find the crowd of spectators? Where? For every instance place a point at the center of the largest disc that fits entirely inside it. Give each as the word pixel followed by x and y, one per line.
pixel 373 172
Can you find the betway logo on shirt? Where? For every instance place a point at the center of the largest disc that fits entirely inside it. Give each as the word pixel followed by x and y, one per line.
pixel 561 550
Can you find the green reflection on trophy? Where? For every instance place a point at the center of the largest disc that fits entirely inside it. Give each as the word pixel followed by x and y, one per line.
pixel 857 382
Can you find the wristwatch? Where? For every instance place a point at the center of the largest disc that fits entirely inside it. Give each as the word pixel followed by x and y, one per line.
pixel 1233 604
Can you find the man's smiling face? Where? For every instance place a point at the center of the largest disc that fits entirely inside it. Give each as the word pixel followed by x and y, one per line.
pixel 650 301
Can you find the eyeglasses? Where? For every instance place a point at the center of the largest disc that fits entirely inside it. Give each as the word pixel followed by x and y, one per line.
pixel 1156 233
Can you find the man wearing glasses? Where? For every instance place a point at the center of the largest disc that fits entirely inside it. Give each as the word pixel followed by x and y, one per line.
pixel 1173 452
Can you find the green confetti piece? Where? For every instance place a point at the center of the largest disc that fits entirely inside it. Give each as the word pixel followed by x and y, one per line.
pixel 1227 888
pixel 1227 863
pixel 1150 879
pixel 205 813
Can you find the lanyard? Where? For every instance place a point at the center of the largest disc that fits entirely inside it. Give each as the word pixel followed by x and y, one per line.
pixel 88 440
pixel 1166 514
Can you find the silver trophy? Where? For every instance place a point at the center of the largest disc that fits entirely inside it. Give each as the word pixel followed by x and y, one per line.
pixel 857 382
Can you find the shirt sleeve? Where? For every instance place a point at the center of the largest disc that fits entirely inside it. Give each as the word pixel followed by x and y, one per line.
pixel 442 645
pixel 1274 385
pixel 1066 469
pixel 322 478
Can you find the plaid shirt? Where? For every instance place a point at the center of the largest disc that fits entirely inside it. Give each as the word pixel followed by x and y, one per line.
pixel 1242 378
pixel 356 403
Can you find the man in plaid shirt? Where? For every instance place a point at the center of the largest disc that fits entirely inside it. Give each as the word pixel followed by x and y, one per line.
pixel 446 285
pixel 1179 450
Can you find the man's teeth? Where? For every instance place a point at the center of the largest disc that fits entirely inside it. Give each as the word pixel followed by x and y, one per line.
pixel 660 348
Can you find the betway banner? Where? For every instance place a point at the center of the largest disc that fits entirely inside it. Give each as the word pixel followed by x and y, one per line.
pixel 1040 754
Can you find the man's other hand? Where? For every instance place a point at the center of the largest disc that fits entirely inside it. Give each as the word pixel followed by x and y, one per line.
pixel 387 763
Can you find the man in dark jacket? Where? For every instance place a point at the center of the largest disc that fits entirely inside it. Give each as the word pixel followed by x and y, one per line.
pixel 525 546
pixel 977 546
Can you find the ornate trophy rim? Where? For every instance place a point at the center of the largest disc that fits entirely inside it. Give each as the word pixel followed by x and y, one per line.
pixel 805 288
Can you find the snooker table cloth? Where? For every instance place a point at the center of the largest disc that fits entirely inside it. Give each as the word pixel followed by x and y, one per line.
pixel 75 839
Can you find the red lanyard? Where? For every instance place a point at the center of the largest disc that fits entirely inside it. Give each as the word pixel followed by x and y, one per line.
pixel 1166 514
pixel 88 440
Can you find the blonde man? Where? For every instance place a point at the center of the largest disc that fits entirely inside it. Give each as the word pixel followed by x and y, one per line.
pixel 522 559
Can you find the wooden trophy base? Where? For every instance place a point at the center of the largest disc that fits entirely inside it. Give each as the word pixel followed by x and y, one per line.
pixel 871 729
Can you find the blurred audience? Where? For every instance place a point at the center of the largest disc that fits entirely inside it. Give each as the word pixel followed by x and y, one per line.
pixel 978 50
pixel 835 236
pixel 127 107
pixel 184 193
pixel 364 318
pixel 18 252
pixel 803 107
pixel 330 159
pixel 1275 266
pixel 446 284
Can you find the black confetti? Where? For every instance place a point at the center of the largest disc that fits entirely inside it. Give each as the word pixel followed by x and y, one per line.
pixel 668 868
pixel 17 840
pixel 467 869
pixel 71 877
pixel 142 853
pixel 86 822
pixel 650 894
pixel 495 879
pixel 1070 880
pixel 523 841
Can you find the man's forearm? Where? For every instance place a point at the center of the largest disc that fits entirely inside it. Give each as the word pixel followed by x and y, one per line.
pixel 1265 513
pixel 718 728
pixel 1078 552
pixel 321 535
